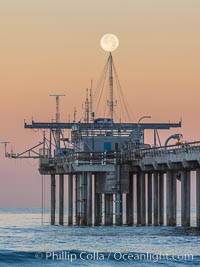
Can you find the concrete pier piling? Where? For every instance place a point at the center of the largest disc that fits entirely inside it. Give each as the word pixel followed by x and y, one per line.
pixel 78 199
pixel 161 198
pixel 118 209
pixel 185 198
pixel 84 198
pixel 155 198
pixel 61 199
pixel 74 200
pixel 171 198
pixel 103 209
pixel 97 203
pixel 143 198
pixel 198 197
pixel 149 197
pixel 118 195
pixel 97 211
pixel 53 199
pixel 70 199
pixel 108 209
pixel 81 199
pixel 89 199
pixel 138 199
pixel 129 202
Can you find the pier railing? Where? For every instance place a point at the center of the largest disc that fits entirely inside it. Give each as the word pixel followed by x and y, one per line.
pixel 110 157
pixel 184 148
pixel 91 158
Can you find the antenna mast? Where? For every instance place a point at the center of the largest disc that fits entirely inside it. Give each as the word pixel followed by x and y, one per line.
pixel 57 97
pixel 110 101
pixel 87 107
pixel 90 102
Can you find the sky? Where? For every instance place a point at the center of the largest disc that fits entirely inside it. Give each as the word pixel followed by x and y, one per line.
pixel 52 46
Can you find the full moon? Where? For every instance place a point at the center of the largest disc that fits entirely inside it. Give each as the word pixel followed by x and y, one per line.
pixel 109 42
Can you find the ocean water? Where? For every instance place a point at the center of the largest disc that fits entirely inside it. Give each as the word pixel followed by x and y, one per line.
pixel 24 241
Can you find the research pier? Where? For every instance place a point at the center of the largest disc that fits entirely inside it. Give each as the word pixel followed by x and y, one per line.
pixel 108 172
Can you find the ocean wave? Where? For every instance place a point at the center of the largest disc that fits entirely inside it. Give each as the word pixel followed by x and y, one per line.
pixel 91 258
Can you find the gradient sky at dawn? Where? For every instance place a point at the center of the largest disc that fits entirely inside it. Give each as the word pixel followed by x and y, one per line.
pixel 52 46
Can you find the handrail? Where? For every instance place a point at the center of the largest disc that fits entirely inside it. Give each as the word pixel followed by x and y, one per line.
pixel 134 154
pixel 90 157
pixel 162 151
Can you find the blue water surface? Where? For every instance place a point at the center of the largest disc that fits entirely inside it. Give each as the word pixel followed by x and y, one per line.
pixel 24 241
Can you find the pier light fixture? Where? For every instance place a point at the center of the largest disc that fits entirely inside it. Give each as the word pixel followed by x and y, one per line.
pixel 143 117
pixel 141 138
